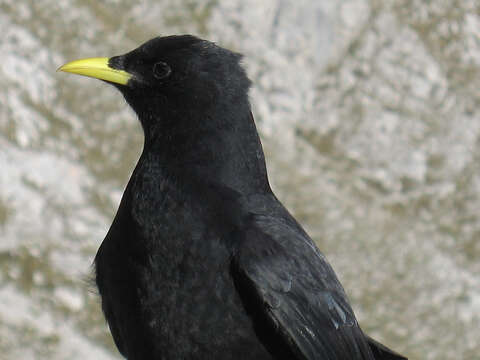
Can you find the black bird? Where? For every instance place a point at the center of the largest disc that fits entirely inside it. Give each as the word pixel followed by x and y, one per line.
pixel 202 261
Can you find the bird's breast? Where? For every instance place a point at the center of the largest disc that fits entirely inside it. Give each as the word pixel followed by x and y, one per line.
pixel 166 257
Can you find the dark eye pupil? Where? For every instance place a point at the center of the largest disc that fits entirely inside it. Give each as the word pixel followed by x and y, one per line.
pixel 161 70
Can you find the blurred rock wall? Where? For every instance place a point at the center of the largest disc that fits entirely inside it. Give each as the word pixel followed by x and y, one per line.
pixel 369 115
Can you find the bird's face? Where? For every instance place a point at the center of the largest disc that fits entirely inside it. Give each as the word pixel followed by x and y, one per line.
pixel 159 65
pixel 170 74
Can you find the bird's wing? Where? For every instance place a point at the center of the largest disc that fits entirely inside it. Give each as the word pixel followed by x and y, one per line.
pixel 285 282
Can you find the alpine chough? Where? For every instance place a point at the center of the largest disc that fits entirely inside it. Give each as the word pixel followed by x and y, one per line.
pixel 202 261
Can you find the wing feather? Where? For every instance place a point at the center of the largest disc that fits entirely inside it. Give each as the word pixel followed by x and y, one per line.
pixel 296 291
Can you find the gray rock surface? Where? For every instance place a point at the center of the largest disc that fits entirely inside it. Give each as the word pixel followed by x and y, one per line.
pixel 369 115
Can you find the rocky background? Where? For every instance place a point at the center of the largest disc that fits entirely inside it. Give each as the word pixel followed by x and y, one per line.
pixel 369 115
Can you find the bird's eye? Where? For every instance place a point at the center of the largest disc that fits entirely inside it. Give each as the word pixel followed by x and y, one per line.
pixel 161 70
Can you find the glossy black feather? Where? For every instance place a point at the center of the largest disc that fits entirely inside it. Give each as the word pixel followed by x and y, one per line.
pixel 202 261
pixel 295 286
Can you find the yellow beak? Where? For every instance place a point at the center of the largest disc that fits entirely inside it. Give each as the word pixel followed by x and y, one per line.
pixel 97 68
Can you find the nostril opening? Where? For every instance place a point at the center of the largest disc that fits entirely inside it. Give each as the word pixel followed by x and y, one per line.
pixel 116 62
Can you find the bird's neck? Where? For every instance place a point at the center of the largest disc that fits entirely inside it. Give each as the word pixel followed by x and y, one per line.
pixel 225 153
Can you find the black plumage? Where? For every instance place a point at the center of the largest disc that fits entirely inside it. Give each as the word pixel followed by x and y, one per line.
pixel 202 261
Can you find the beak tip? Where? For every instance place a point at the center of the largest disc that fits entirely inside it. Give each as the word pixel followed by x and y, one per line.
pixel 64 67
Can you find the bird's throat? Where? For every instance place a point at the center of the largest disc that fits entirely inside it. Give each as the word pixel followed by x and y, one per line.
pixel 230 155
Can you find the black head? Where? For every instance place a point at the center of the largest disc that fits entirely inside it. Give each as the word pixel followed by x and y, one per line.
pixel 181 75
pixel 191 97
